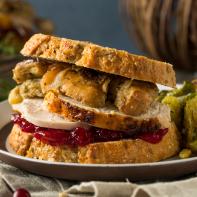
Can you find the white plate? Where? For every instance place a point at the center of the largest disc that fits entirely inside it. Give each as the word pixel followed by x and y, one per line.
pixel 71 171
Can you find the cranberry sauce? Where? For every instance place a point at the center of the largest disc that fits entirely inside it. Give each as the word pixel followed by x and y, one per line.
pixel 81 136
pixel 153 137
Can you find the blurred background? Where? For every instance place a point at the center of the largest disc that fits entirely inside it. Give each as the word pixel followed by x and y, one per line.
pixel 96 21
pixel 162 29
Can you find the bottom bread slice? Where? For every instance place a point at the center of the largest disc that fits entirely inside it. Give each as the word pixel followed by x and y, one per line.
pixel 123 151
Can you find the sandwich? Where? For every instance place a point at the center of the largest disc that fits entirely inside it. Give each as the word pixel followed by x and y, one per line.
pixel 79 102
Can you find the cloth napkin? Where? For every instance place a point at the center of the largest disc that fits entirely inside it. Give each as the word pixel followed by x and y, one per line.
pixel 185 188
pixel 12 178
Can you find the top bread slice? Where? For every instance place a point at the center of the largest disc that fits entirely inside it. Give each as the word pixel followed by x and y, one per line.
pixel 100 58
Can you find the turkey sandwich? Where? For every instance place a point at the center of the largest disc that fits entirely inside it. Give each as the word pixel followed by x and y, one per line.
pixel 80 102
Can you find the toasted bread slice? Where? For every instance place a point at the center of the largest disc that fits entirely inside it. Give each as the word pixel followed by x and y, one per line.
pixel 131 151
pixel 123 151
pixel 108 118
pixel 96 57
pixel 26 145
pixel 20 141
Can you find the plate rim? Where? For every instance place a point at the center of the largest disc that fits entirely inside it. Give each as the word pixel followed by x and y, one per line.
pixel 159 163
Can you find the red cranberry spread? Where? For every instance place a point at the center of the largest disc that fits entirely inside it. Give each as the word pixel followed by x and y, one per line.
pixel 81 136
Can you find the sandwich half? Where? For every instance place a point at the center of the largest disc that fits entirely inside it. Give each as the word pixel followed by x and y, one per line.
pixel 80 102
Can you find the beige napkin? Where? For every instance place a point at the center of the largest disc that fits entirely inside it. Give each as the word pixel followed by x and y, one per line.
pixel 185 188
pixel 12 178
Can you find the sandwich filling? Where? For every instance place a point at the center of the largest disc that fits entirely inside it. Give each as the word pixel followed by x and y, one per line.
pixel 89 87
pixel 33 117
pixel 98 107
pixel 83 136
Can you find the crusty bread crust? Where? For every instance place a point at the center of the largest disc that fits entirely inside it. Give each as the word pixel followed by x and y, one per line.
pixel 96 57
pixel 42 151
pixel 131 151
pixel 157 117
pixel 20 141
pixel 124 151
pixel 26 145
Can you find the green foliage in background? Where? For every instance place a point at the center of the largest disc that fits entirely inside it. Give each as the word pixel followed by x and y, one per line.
pixel 10 44
pixel 5 87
